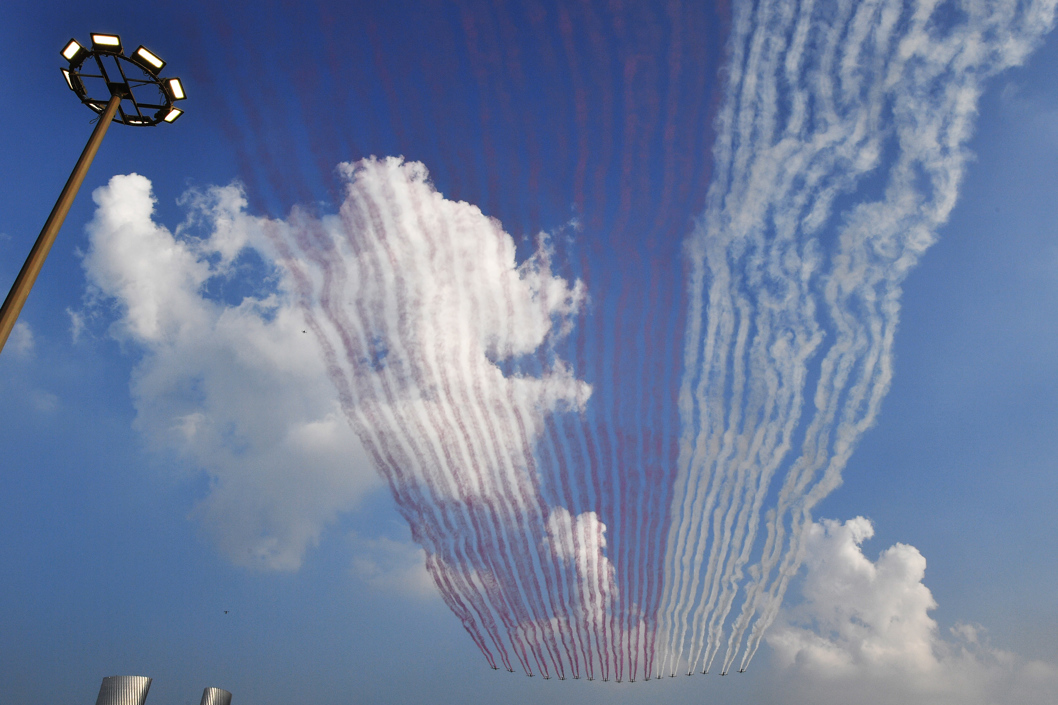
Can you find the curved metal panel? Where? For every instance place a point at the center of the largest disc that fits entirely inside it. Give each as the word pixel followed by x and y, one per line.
pixel 215 696
pixel 123 690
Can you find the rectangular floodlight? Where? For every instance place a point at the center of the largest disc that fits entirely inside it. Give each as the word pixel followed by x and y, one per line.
pixel 73 50
pixel 173 115
pixel 176 89
pixel 110 43
pixel 69 79
pixel 148 60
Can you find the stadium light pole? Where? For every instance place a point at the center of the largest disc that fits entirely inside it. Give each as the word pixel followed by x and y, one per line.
pixel 134 94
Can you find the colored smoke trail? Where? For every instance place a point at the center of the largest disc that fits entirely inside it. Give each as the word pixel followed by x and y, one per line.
pixel 419 303
pixel 796 273
pixel 605 450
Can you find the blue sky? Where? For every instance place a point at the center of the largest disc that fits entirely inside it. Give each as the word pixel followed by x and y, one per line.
pixel 113 561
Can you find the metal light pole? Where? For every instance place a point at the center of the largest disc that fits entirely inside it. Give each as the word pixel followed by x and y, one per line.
pixel 135 95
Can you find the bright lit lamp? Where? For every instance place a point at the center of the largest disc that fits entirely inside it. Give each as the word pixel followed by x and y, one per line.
pixel 74 52
pixel 175 89
pixel 148 60
pixel 107 43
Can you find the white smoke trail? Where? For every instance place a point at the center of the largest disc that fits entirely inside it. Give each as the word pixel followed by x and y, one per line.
pixel 840 147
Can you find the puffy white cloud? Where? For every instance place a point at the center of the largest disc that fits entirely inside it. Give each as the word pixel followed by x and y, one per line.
pixel 258 392
pixel 863 634
pixel 238 390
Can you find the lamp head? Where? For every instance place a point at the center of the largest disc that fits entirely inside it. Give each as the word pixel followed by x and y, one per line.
pixel 74 52
pixel 149 61
pixel 107 44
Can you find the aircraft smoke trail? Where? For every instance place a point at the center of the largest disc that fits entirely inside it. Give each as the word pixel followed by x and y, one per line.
pixel 593 499
pixel 419 303
pixel 840 147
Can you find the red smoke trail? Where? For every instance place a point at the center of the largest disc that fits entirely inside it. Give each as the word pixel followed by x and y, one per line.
pixel 602 80
pixel 467 580
pixel 391 469
pixel 570 579
pixel 594 214
pixel 577 459
pixel 479 62
pixel 640 108
pixel 560 484
pixel 650 538
pixel 464 491
pixel 483 53
pixel 523 559
pixel 448 594
pixel 513 74
pixel 356 354
pixel 526 570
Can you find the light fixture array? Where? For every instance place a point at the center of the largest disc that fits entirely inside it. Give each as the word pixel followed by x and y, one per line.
pixel 139 106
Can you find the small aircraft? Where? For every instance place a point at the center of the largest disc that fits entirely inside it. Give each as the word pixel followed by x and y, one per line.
pixel 742 670
pixel 494 668
pixel 510 670
pixel 723 673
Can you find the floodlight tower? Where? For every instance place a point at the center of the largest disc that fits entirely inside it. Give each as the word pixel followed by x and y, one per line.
pixel 127 89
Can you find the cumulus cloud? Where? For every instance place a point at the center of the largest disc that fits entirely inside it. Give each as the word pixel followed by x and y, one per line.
pixel 258 390
pixel 863 634
pixel 235 389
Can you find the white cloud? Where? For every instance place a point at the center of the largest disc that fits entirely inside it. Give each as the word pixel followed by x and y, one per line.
pixel 259 393
pixel 236 390
pixel 20 341
pixel 863 634
pixel 392 566
pixel 77 324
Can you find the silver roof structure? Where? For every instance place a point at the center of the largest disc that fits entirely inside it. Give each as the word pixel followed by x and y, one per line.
pixel 123 690
pixel 215 696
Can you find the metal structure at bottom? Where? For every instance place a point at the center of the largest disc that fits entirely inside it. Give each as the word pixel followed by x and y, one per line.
pixel 215 696
pixel 123 690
